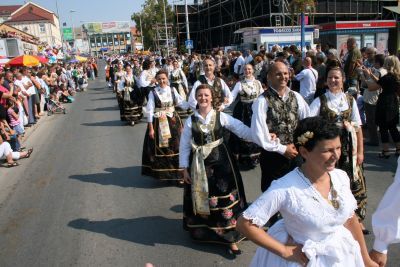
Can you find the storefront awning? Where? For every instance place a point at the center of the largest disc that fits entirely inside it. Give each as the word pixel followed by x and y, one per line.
pixel 394 9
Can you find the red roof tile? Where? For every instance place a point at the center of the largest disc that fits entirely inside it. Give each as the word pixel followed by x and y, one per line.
pixel 27 17
pixel 7 10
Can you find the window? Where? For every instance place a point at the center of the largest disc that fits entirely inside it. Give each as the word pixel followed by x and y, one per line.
pixel 42 28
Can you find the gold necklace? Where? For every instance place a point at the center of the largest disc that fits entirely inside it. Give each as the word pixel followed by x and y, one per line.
pixel 334 195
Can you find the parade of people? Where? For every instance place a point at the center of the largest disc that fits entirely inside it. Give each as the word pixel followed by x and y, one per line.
pixel 144 149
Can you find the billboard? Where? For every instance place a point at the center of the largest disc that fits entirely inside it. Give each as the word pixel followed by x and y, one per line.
pixel 108 27
pixel 94 27
pixel 68 34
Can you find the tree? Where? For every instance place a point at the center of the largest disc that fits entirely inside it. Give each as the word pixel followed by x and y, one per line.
pixel 151 15
pixel 297 7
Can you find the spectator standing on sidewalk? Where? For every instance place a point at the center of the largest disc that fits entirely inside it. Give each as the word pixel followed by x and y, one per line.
pixel 351 62
pixel 371 94
pixel 308 80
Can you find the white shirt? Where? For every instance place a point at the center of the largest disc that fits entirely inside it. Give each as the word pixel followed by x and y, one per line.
pixel 227 121
pixel 20 85
pixel 251 82
pixel 239 62
pixel 259 127
pixel 338 103
pixel 31 90
pixel 308 82
pixel 145 78
pixel 166 95
pixel 248 59
pixel 192 96
pixel 386 219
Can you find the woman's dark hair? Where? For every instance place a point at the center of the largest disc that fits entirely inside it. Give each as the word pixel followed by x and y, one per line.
pixel 336 68
pixel 204 86
pixel 318 127
pixel 146 65
pixel 380 59
pixel 162 71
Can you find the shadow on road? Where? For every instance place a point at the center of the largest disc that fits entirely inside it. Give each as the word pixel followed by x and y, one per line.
pixel 177 208
pixel 123 177
pixel 105 123
pixel 147 231
pixel 103 98
pixel 103 109
pixel 98 88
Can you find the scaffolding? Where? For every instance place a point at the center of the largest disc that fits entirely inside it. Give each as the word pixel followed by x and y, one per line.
pixel 213 22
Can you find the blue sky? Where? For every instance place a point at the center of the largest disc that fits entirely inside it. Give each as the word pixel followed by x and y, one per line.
pixel 89 10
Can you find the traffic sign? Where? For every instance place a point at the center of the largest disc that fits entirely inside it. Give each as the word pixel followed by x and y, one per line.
pixel 189 44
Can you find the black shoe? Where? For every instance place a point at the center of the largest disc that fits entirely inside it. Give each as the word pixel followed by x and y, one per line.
pixel 366 232
pixel 371 144
pixel 236 252
pixel 384 154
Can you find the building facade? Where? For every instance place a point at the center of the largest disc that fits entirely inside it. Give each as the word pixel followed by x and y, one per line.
pixel 108 37
pixel 213 23
pixel 37 21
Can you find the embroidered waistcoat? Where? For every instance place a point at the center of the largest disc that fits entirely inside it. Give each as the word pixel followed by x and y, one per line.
pixel 282 116
pixel 159 104
pixel 200 138
pixel 332 116
pixel 246 87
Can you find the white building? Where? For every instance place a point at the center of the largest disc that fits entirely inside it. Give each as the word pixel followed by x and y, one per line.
pixel 37 21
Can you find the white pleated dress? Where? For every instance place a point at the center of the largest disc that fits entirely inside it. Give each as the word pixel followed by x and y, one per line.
pixel 310 220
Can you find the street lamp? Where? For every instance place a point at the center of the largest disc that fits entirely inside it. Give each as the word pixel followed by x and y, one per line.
pixel 72 22
pixel 165 24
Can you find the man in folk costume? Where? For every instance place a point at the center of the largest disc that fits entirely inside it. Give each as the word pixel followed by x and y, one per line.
pixel 277 111
pixel 222 96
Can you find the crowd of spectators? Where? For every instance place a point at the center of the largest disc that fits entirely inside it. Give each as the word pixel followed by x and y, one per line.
pixel 29 93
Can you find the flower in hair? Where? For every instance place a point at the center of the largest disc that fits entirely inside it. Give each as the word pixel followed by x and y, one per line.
pixel 303 139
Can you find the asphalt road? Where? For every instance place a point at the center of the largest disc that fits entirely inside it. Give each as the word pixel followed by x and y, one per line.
pixel 80 199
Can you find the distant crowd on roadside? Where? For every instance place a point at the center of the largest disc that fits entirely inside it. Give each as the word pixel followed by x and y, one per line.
pixel 29 93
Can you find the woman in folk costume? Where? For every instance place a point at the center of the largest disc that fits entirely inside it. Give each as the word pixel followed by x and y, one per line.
pixel 177 79
pixel 213 193
pixel 119 87
pixel 341 108
pixel 318 228
pixel 132 99
pixel 160 157
pixel 248 90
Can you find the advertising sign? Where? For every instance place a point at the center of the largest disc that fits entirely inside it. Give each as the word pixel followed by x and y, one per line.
pixel 108 27
pixel 68 34
pixel 94 27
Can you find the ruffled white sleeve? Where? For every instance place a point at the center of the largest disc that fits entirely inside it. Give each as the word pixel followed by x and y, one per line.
pixel 150 107
pixel 235 126
pixel 185 144
pixel 227 93
pixel 267 205
pixel 303 109
pixel 314 107
pixel 236 90
pixel 192 96
pixel 143 82
pixel 386 219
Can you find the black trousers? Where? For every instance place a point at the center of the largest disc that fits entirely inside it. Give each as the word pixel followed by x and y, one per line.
pixel 274 166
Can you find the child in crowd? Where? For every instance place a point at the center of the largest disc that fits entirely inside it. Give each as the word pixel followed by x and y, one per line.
pixel 13 119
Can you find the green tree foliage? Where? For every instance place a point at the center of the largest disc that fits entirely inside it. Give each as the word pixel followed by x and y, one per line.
pixel 152 14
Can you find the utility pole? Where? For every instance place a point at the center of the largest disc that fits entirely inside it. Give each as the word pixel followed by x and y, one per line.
pixel 141 31
pixel 187 25
pixel 166 30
